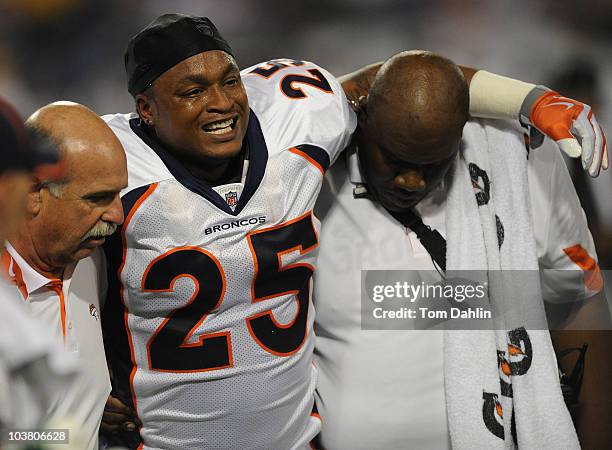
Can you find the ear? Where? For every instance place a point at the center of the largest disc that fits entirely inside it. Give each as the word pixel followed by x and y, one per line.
pixel 35 198
pixel 145 107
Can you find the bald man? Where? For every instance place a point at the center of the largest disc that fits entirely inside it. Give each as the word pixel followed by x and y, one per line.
pixel 53 257
pixel 384 389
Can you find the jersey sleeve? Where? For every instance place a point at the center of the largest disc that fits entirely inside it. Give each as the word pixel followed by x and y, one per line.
pixel 565 246
pixel 300 103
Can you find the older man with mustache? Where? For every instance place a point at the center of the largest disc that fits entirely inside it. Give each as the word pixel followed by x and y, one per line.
pixel 52 258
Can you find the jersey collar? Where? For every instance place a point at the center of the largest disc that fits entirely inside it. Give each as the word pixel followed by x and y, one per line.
pixel 254 145
pixel 31 279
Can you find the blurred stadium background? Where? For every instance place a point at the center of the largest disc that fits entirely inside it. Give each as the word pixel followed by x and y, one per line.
pixel 73 49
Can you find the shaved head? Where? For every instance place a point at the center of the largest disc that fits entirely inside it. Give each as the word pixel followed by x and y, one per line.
pixel 420 98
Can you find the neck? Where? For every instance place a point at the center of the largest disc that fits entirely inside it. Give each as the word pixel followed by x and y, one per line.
pixel 214 175
pixel 228 171
pixel 24 245
pixel 213 172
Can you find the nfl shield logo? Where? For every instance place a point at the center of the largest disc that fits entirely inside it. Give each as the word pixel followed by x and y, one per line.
pixel 93 311
pixel 231 198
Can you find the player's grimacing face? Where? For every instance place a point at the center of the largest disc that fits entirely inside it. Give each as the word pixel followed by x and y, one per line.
pixel 200 107
pixel 400 176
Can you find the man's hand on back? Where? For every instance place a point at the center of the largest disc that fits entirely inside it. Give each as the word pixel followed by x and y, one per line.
pixel 118 417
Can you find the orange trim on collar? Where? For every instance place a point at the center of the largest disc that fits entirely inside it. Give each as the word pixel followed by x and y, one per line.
pixel 6 264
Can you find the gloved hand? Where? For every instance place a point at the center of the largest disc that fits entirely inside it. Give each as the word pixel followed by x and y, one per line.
pixel 571 124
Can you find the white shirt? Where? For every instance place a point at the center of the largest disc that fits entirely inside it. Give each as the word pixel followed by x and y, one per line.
pixel 385 389
pixel 72 315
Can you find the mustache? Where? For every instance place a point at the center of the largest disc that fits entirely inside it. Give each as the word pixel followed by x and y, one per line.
pixel 101 229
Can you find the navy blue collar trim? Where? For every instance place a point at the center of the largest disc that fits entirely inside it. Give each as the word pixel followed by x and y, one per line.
pixel 254 144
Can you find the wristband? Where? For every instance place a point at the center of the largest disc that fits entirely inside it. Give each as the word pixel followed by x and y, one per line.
pixel 496 97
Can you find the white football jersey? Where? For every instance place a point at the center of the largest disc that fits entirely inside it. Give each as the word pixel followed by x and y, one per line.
pixel 212 323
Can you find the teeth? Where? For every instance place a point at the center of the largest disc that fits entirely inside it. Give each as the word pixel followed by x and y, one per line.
pixel 219 127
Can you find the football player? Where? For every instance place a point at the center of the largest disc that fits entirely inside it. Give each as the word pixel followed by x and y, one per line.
pixel 214 261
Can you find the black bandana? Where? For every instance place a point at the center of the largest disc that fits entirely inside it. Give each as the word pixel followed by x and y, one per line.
pixel 165 42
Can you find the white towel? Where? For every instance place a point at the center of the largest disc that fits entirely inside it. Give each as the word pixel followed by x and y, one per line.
pixel 502 385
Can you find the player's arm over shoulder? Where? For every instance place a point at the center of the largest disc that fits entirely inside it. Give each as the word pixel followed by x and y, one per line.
pixel 300 102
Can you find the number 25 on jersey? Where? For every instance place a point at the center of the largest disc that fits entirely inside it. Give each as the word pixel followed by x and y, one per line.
pixel 169 349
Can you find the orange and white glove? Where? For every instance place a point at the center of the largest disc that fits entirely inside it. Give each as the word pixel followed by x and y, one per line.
pixel 570 123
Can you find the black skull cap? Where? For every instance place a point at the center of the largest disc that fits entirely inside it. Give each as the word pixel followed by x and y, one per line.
pixel 164 43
